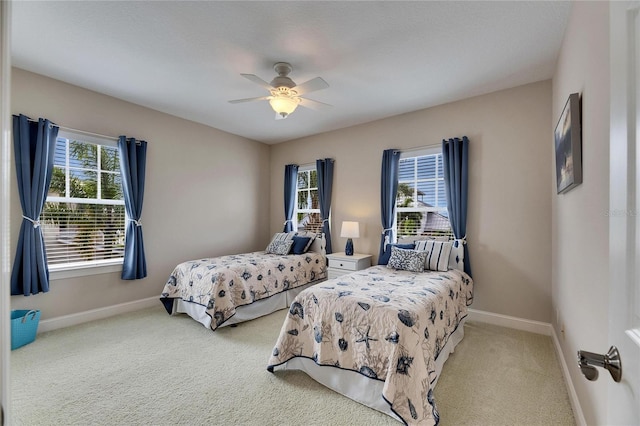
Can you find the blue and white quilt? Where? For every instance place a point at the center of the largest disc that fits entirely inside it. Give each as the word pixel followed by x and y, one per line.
pixel 386 324
pixel 224 283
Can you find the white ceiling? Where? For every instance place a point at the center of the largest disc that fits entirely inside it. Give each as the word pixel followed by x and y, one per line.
pixel 380 58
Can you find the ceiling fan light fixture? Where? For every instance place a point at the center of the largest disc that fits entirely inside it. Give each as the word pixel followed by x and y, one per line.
pixel 283 105
pixel 285 94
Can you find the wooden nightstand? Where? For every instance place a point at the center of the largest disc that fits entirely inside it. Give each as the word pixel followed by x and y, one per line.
pixel 340 263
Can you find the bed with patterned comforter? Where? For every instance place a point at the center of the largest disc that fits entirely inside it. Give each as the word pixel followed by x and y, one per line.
pixel 224 284
pixel 388 325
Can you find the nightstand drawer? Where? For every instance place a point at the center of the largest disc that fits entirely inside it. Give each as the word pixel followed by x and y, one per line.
pixel 349 265
pixel 340 264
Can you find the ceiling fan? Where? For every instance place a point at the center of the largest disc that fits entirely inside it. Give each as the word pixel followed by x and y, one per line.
pixel 285 95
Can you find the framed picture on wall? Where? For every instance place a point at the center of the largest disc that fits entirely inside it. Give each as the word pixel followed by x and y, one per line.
pixel 568 146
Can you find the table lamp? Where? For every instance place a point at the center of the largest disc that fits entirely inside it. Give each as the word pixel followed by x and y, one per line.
pixel 349 230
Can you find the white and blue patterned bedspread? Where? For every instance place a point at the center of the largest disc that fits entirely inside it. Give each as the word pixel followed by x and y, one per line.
pixel 224 283
pixel 387 325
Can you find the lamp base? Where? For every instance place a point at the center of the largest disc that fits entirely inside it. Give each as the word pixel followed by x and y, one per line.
pixel 348 250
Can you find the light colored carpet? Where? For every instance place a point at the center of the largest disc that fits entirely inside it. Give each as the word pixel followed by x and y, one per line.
pixel 149 368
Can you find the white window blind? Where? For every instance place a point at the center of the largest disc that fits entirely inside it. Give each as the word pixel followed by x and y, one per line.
pixel 307 212
pixel 83 220
pixel 421 203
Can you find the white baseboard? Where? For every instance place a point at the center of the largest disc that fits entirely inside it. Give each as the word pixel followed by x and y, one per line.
pixel 573 396
pixel 96 314
pixel 537 327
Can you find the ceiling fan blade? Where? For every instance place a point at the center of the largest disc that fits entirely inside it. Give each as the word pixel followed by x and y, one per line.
pixel 257 80
pixel 311 86
pixel 262 98
pixel 315 105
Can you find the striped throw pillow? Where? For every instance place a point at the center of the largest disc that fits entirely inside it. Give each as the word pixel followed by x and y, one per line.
pixel 438 253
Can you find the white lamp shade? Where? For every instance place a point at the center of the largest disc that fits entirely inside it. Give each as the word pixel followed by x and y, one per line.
pixel 350 229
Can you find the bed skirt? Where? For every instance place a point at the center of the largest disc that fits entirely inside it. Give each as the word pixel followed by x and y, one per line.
pixel 243 313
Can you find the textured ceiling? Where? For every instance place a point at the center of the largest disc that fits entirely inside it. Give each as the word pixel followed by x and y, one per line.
pixel 380 58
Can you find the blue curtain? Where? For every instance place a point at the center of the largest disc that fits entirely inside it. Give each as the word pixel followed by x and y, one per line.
pixel 290 186
pixel 34 145
pixel 455 156
pixel 324 168
pixel 388 192
pixel 133 160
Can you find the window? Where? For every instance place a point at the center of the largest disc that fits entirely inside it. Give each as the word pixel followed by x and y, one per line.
pixel 421 204
pixel 83 221
pixel 307 211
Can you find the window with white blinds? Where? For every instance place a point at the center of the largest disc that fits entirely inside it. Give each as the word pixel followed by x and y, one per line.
pixel 83 221
pixel 307 211
pixel 421 203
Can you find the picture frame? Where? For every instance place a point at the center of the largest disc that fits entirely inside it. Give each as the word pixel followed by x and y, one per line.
pixel 568 146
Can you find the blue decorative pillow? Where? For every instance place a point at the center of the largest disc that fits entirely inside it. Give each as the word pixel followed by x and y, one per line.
pixel 384 259
pixel 307 234
pixel 407 260
pixel 300 245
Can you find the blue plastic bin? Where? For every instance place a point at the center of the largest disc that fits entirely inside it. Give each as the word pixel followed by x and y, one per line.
pixel 24 326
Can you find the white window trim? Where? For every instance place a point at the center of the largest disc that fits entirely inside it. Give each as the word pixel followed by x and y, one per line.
pixel 95 267
pixel 296 210
pixel 416 152
pixel 65 270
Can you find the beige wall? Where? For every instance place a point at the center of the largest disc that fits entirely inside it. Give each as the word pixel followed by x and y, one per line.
pixel 579 222
pixel 509 225
pixel 509 205
pixel 206 191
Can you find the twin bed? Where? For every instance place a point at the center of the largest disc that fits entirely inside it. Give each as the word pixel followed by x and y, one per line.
pixel 379 336
pixel 231 289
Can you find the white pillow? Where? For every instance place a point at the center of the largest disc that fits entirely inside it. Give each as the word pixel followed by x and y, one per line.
pixel 438 253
